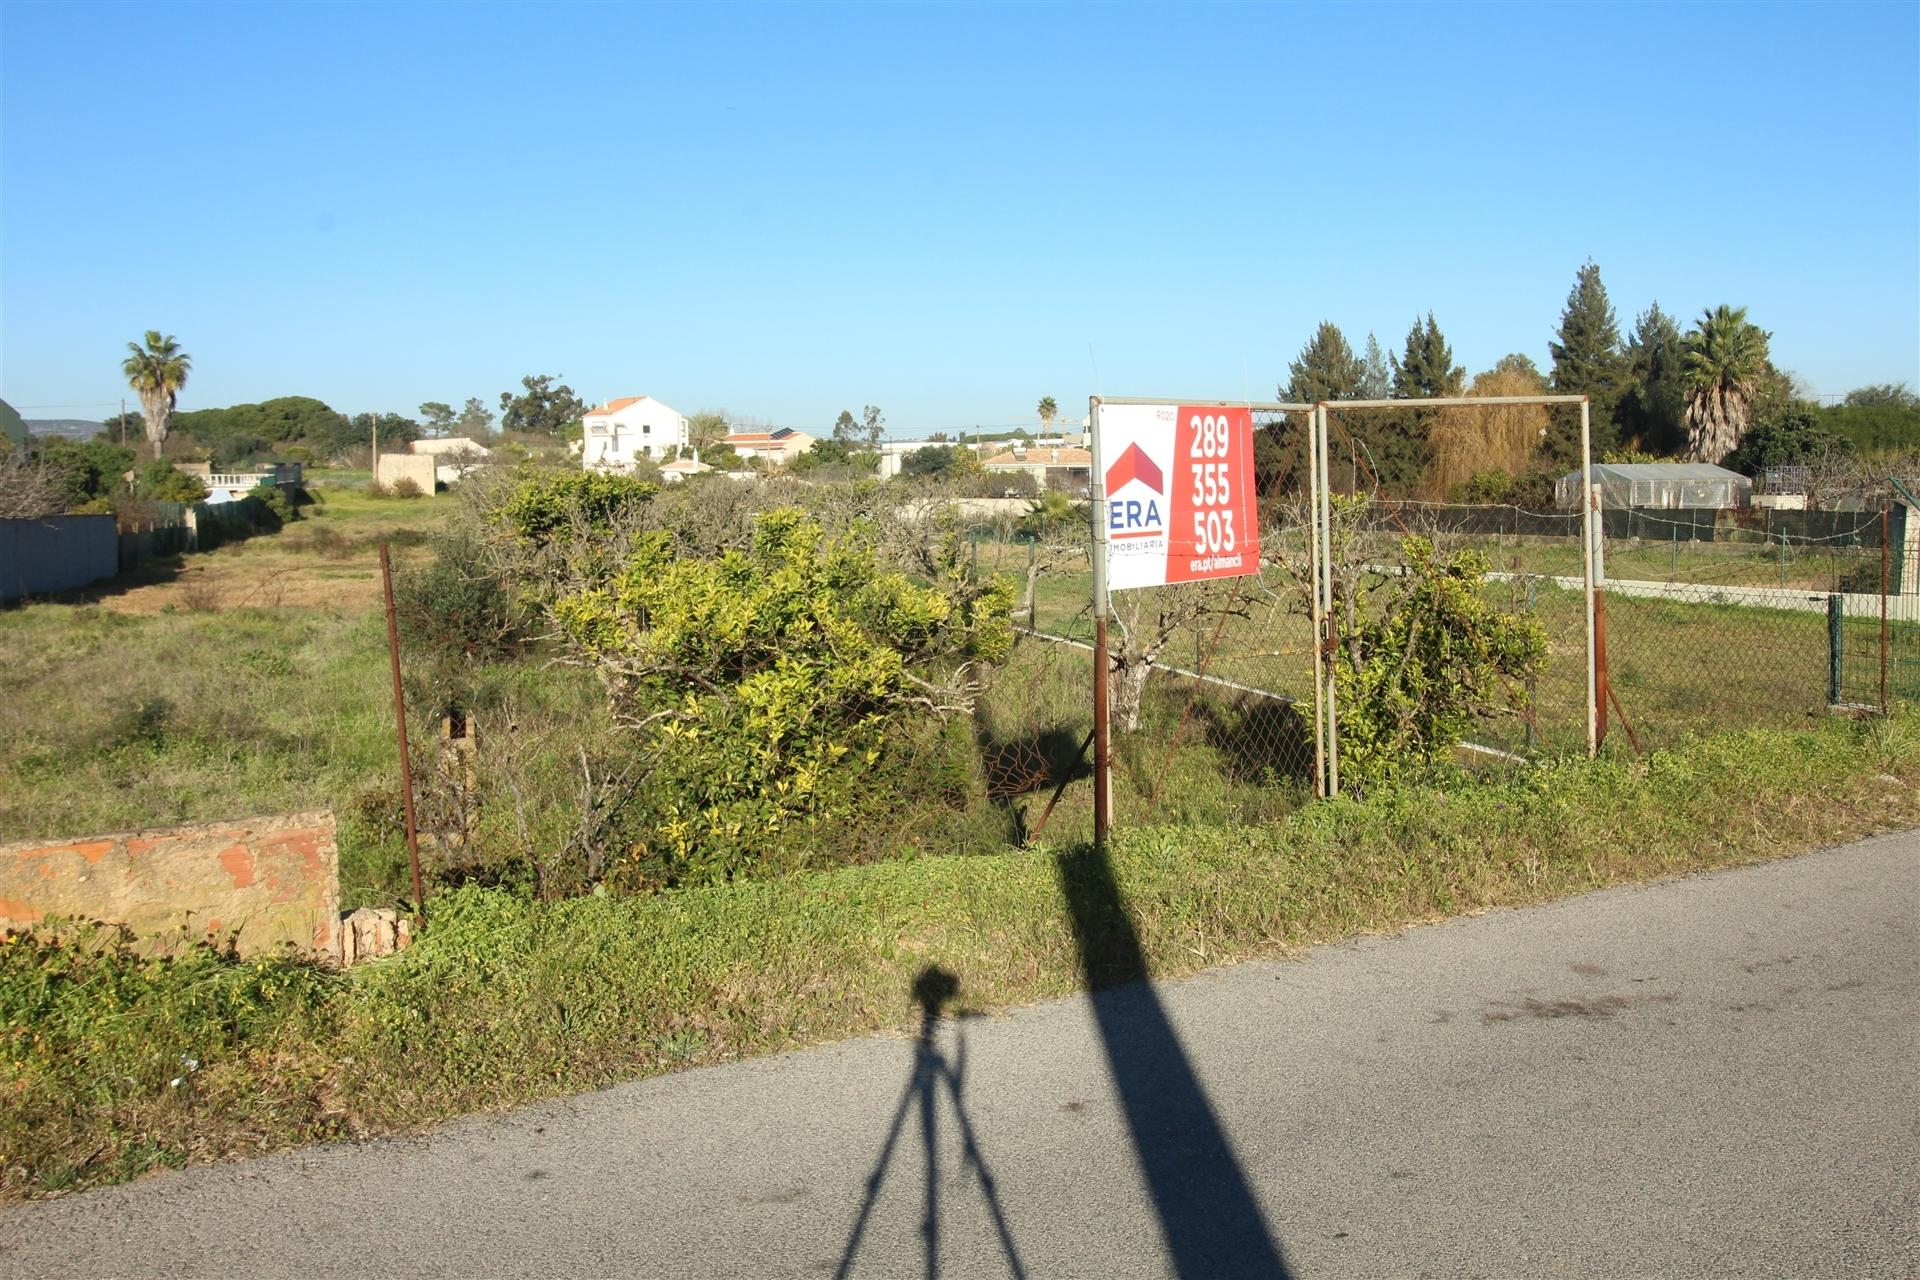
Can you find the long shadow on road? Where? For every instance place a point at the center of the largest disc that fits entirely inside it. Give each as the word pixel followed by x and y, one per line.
pixel 1208 1215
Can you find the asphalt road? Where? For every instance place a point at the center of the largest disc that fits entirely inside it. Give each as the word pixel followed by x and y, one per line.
pixel 1708 1077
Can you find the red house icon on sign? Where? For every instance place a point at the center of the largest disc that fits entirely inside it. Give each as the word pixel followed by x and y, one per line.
pixel 1134 465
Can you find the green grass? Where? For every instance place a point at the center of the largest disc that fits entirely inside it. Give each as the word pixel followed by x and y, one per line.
pixel 111 1065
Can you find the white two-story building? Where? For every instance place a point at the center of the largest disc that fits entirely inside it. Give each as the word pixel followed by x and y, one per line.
pixel 631 427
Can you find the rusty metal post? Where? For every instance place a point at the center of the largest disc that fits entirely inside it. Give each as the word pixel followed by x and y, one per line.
pixel 1600 678
pixel 400 719
pixel 1097 492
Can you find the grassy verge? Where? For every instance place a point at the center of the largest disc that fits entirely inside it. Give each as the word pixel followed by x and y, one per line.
pixel 111 1066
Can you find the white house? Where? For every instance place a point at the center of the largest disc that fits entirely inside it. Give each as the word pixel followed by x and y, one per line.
pixel 620 431
pixel 1051 466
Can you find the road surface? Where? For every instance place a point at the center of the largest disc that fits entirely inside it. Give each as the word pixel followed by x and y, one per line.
pixel 1706 1077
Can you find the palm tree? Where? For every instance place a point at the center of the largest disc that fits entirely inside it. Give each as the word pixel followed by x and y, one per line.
pixel 1725 357
pixel 156 372
pixel 1047 411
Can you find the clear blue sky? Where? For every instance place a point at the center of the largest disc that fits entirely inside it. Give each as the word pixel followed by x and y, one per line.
pixel 947 211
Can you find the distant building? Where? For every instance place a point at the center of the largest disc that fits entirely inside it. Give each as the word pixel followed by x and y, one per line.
pixel 1051 466
pixel 453 456
pixel 231 486
pixel 621 431
pixel 779 446
pixel 674 472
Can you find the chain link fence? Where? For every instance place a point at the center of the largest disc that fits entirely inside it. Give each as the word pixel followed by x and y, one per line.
pixel 1754 616
pixel 1709 619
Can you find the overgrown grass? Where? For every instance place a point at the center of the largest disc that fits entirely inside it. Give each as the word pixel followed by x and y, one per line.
pixel 111 1064
pixel 113 722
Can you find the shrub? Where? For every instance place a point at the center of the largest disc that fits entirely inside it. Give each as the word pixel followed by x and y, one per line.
pixel 558 505
pixel 161 481
pixel 404 487
pixel 456 606
pixel 767 683
pixel 1414 676
pixel 279 508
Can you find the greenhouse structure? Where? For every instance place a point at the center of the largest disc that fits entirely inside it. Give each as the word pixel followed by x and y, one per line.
pixel 1671 485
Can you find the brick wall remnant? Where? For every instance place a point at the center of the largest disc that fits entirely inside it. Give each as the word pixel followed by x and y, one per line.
pixel 269 880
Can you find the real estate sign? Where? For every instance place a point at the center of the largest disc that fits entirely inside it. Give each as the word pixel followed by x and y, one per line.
pixel 1180 500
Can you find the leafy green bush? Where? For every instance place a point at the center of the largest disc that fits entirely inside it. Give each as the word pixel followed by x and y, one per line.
pixel 557 504
pixel 278 505
pixel 767 683
pixel 161 481
pixel 1413 678
pixel 1532 491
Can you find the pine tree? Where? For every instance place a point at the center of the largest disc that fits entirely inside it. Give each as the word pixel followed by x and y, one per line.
pixel 1653 408
pixel 1376 382
pixel 1325 370
pixel 1427 369
pixel 1587 359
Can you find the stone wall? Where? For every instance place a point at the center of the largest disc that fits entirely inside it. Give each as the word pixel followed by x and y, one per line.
pixel 392 468
pixel 271 880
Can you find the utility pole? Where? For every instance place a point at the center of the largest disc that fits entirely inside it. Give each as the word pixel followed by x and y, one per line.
pixel 373 454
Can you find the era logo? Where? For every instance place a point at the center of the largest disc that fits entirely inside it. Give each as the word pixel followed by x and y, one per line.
pixel 1135 515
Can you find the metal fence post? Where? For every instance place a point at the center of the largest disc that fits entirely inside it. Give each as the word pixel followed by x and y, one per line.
pixel 1590 538
pixel 1836 638
pixel 1886 565
pixel 1097 502
pixel 1325 553
pixel 1315 481
pixel 400 722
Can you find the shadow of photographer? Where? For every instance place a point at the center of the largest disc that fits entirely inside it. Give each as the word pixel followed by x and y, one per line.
pixel 1209 1218
pixel 932 1076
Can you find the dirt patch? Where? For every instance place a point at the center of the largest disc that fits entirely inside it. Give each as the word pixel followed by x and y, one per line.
pixel 315 563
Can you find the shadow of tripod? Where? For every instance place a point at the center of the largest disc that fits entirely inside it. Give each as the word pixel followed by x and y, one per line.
pixel 932 990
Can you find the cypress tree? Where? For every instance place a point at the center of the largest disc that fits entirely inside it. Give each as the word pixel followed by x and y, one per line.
pixel 1427 369
pixel 1376 382
pixel 1587 359
pixel 1653 408
pixel 1325 370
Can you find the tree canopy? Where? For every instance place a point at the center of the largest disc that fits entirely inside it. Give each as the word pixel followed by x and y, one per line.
pixel 541 408
pixel 1725 359
pixel 1427 368
pixel 1653 408
pixel 1587 358
pixel 1325 369
pixel 156 371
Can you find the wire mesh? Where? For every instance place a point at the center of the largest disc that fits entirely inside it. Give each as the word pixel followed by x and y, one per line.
pixel 1749 616
pixel 1212 684
pixel 1712 618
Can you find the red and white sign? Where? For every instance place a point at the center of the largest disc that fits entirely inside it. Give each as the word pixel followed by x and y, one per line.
pixel 1180 501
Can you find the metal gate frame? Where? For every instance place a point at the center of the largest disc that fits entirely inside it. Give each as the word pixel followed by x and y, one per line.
pixel 1326 730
